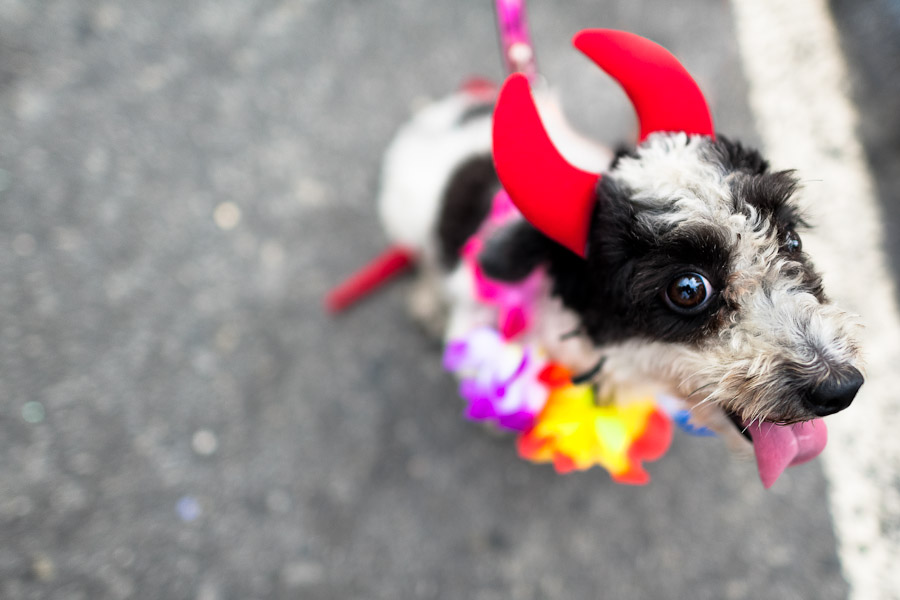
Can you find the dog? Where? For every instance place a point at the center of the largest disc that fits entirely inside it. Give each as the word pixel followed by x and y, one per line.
pixel 680 270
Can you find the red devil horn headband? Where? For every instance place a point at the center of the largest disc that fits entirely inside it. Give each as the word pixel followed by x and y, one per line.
pixel 556 197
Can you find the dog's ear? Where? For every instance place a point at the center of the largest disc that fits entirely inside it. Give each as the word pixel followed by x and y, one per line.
pixel 514 251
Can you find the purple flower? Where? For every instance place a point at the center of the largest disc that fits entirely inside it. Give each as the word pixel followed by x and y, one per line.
pixel 498 379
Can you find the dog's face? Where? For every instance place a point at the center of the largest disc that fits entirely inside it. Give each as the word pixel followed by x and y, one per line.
pixel 695 277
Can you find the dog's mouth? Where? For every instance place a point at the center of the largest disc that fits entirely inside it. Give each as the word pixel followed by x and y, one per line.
pixel 779 446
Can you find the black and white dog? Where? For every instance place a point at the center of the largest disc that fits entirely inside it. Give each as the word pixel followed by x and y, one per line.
pixel 686 275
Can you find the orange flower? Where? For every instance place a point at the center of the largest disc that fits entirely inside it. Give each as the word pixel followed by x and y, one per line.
pixel 574 433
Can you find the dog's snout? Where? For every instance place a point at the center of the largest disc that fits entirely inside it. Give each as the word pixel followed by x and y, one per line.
pixel 835 393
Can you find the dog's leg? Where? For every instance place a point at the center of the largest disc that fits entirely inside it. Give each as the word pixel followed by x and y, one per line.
pixel 425 302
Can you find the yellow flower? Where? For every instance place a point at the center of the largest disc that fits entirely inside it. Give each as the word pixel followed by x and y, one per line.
pixel 575 434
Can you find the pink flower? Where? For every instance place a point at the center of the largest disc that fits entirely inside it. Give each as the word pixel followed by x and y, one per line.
pixel 514 300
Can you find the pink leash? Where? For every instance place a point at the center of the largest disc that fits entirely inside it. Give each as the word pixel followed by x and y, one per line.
pixel 515 42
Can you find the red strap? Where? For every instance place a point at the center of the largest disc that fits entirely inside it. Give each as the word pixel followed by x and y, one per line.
pixel 380 270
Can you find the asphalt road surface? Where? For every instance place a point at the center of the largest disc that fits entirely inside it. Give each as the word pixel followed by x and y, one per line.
pixel 180 183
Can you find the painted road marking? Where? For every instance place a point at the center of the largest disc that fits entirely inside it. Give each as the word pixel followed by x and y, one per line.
pixel 799 95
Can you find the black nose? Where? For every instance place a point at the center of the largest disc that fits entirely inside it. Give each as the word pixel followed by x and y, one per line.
pixel 835 393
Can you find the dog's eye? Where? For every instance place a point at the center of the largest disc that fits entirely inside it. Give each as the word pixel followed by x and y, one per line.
pixel 688 293
pixel 792 242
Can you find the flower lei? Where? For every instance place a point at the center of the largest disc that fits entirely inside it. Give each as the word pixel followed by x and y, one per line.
pixel 517 387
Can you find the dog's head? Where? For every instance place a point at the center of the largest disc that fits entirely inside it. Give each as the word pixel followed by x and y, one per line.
pixel 689 270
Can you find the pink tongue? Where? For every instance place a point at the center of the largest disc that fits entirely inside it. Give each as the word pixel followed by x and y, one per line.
pixel 778 447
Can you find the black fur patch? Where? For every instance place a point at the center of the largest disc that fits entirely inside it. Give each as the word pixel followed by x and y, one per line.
pixel 753 184
pixel 771 194
pixel 474 112
pixel 622 151
pixel 734 156
pixel 466 203
pixel 628 269
pixel 617 290
pixel 514 251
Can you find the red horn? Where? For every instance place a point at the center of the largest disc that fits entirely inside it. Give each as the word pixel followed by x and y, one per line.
pixel 554 196
pixel 664 95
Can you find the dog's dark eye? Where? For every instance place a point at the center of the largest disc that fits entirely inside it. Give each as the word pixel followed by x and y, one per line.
pixel 688 293
pixel 792 242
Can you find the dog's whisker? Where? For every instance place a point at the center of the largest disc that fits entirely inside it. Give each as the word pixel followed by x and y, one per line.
pixel 698 373
pixel 710 399
pixel 590 374
pixel 702 387
pixel 571 334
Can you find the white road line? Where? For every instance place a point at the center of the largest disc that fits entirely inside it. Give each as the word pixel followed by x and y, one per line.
pixel 799 96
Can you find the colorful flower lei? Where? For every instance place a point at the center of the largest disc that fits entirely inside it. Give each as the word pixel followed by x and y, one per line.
pixel 515 386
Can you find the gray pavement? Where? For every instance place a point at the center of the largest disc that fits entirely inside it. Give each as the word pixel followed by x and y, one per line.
pixel 180 183
pixel 870 35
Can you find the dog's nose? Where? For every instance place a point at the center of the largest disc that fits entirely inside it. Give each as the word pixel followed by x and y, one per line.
pixel 835 393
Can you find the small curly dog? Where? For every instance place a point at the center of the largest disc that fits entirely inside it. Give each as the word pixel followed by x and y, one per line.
pixel 679 269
